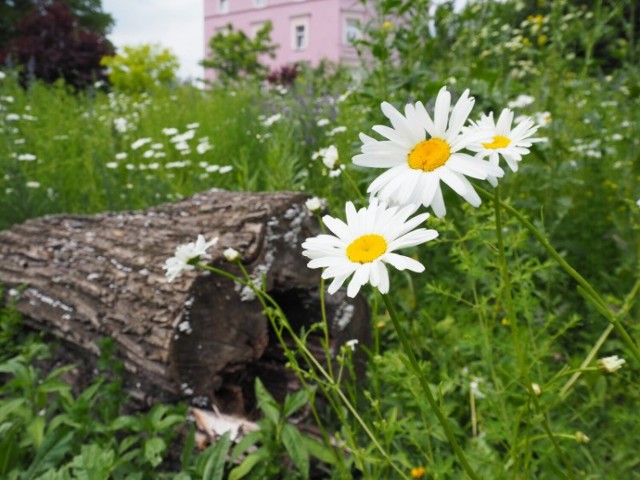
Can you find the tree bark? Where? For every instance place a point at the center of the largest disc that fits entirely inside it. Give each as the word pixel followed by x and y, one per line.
pixel 203 336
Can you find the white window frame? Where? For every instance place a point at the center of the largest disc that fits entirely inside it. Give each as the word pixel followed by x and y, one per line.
pixel 255 26
pixel 295 23
pixel 223 6
pixel 351 24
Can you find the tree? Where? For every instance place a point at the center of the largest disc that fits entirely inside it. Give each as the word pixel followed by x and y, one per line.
pixel 235 56
pixel 88 13
pixel 141 68
pixel 50 44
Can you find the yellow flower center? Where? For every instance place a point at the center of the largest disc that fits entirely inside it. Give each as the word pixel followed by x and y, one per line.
pixel 498 142
pixel 429 155
pixel 366 248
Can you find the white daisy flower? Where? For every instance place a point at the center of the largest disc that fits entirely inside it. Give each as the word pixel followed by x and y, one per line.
pixel 363 245
pixel 506 142
pixel 419 152
pixel 185 254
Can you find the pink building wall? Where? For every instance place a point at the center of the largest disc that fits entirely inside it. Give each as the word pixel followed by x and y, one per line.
pixel 325 20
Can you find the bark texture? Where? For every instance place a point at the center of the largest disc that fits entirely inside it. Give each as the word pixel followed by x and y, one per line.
pixel 202 336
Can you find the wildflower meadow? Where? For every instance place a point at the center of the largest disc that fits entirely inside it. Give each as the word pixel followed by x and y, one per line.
pixel 476 180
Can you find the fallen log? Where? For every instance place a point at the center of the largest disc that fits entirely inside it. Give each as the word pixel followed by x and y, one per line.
pixel 202 337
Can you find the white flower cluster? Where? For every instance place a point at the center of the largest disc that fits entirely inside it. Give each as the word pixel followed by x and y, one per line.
pixel 418 152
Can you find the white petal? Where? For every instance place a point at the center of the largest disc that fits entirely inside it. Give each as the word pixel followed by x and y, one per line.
pixel 401 262
pixel 441 111
pixel 437 204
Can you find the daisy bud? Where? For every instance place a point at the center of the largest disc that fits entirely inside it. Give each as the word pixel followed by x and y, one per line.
pixel 231 254
pixel 582 438
pixel 536 389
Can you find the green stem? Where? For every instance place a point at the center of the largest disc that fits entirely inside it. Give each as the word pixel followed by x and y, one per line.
pixel 515 331
pixel 408 350
pixel 592 294
pixel 265 299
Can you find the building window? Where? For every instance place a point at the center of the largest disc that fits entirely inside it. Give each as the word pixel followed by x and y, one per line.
pixel 300 33
pixel 352 30
pixel 223 6
pixel 255 28
pixel 260 3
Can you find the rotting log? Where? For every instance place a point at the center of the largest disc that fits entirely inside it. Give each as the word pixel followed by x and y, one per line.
pixel 202 337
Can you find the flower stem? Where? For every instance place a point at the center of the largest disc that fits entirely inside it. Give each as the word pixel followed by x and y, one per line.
pixel 267 301
pixel 408 350
pixel 515 331
pixel 587 289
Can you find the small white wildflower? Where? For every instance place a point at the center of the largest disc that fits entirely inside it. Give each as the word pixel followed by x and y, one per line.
pixel 26 157
pixel 185 254
pixel 474 385
pixel 140 142
pixel 314 204
pixel 193 126
pixel 203 148
pixel 328 155
pixel 157 146
pixel 12 117
pixel 7 99
pixel 225 169
pixel 32 184
pixel 121 156
pixel 231 254
pixel 169 131
pixel 611 364
pixel 638 202
pixel 153 166
pixel 521 101
pixel 183 137
pixel 323 122
pixel 272 119
pixel 336 130
pixel 212 168
pixel 19 141
pixel 111 165
pixel 148 154
pixel 130 166
pixel 120 124
pixel 2 75
pixel 352 344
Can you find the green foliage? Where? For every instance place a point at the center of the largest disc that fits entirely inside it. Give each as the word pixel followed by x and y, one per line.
pixel 141 68
pixel 235 56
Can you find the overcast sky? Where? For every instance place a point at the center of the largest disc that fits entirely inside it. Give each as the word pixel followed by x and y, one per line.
pixel 175 24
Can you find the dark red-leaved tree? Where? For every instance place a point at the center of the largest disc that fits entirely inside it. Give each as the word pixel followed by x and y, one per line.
pixel 50 45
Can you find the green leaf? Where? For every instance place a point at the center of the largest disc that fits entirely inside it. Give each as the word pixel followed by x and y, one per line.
pixel 153 450
pixel 266 403
pixel 247 441
pixel 248 464
pixel 10 406
pixel 189 444
pixel 127 421
pixel 319 450
pixel 93 463
pixel 35 429
pixel 292 440
pixel 214 468
pixel 53 448
pixel 295 402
